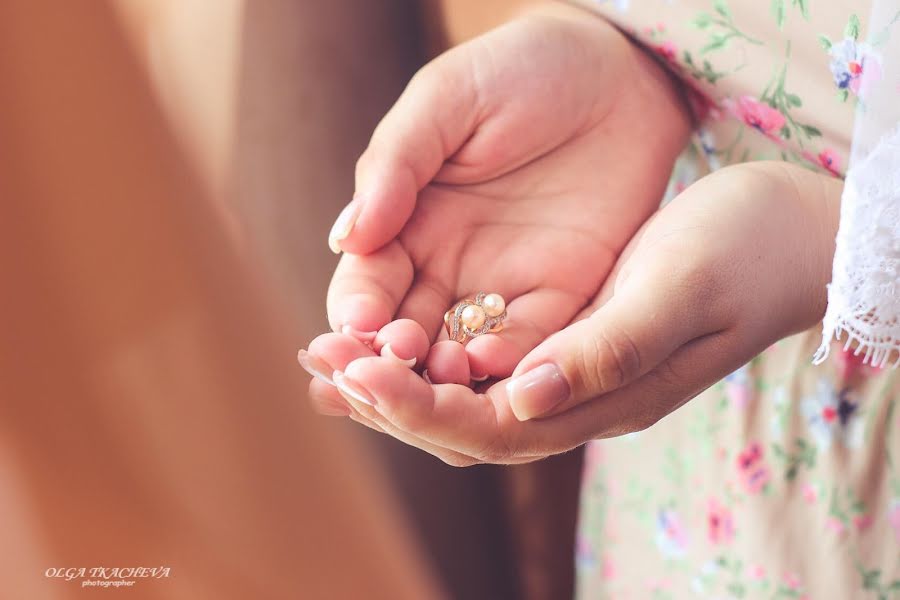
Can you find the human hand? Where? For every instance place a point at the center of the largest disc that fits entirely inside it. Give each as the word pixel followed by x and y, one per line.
pixel 518 163
pixel 736 262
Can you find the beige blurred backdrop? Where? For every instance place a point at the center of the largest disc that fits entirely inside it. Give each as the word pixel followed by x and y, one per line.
pixel 148 397
pixel 271 103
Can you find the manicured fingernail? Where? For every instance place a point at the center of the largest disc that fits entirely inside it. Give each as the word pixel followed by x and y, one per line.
pixel 537 392
pixel 366 337
pixel 315 366
pixel 478 377
pixel 352 390
pixel 388 352
pixel 344 225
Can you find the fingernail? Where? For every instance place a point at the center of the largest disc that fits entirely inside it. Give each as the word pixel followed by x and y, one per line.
pixel 426 377
pixel 388 352
pixel 315 366
pixel 344 225
pixel 352 390
pixel 537 392
pixel 366 337
pixel 478 377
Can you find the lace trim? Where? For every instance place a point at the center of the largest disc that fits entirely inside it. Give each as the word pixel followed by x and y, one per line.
pixel 863 298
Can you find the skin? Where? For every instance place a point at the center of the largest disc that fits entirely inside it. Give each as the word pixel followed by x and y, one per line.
pixel 485 175
pixel 636 314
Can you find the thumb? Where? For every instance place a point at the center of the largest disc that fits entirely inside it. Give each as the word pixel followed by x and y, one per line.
pixel 430 121
pixel 635 331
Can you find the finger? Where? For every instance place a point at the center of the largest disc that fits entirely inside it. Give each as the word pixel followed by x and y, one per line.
pixel 447 363
pixel 326 353
pixel 403 340
pixel 315 366
pixel 493 434
pixel 366 290
pixel 405 405
pixel 325 400
pixel 492 355
pixel 450 416
pixel 333 351
pixel 323 395
pixel 330 353
pixel 430 121
pixel 654 312
pixel 425 303
pixel 531 318
pixel 691 369
pixel 361 412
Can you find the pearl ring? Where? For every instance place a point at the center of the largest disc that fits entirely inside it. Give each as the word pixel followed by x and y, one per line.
pixel 470 318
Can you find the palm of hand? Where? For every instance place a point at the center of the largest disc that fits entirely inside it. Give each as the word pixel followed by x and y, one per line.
pixel 541 180
pixel 545 237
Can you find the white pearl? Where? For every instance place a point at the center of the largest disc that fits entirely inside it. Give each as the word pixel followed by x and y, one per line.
pixel 494 305
pixel 473 316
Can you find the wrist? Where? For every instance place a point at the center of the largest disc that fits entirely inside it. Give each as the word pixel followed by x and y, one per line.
pixel 803 210
pixel 649 97
pixel 821 197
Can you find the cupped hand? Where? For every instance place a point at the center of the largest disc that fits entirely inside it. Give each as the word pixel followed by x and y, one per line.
pixel 736 262
pixel 519 163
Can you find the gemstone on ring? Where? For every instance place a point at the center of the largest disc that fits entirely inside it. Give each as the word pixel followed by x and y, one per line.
pixel 470 318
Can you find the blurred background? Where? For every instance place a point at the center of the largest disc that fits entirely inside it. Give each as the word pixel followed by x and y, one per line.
pixel 169 171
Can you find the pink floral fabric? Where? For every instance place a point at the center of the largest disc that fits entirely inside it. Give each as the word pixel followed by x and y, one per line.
pixel 781 481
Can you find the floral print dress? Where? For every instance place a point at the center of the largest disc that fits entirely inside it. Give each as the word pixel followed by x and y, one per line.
pixel 782 480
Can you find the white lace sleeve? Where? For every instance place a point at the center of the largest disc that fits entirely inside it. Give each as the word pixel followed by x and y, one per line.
pixel 864 294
